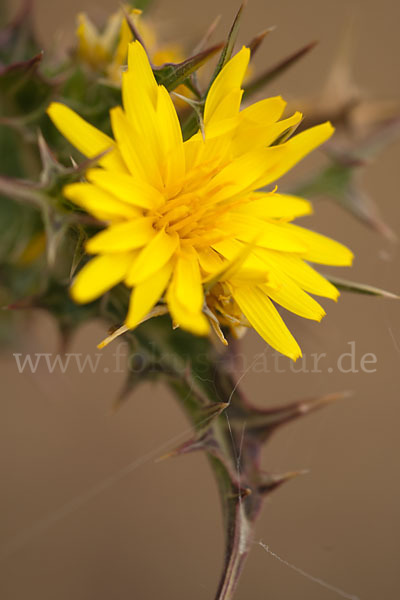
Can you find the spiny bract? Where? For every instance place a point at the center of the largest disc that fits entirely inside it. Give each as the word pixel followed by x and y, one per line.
pixel 186 224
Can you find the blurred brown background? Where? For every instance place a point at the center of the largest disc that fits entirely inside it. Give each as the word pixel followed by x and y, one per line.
pixel 87 513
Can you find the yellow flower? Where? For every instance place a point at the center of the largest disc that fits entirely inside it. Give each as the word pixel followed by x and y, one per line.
pixel 107 51
pixel 97 48
pixel 186 224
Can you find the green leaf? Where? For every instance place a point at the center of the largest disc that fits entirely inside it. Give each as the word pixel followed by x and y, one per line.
pixel 25 92
pixel 340 183
pixel 171 75
pixel 360 288
pixel 229 44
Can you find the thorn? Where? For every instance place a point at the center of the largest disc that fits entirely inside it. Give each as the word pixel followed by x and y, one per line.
pixel 257 41
pixel 46 154
pixel 272 481
pixel 26 65
pixel 208 413
pixel 91 162
pixel 277 69
pixel 263 423
pixel 205 442
pixel 205 39
pixel 308 406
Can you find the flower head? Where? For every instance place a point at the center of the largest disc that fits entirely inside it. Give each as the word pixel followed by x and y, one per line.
pixel 106 51
pixel 97 48
pixel 187 224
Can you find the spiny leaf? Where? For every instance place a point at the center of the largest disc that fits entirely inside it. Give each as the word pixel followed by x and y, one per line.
pixel 364 208
pixel 171 75
pixel 340 182
pixel 14 70
pixel 17 40
pixel 23 191
pixel 277 70
pixel 25 91
pixel 229 44
pixel 333 180
pixel 360 288
pixel 51 168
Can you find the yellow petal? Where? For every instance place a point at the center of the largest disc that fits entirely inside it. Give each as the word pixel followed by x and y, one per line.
pixel 139 159
pixel 250 135
pixel 196 323
pixel 121 237
pixel 289 295
pixel 100 275
pixel 239 175
pixel 287 155
pixel 242 262
pixel 154 256
pixel 319 248
pixel 171 143
pixel 267 234
pixel 86 138
pixel 126 188
pixel 99 203
pixel 139 65
pixel 303 274
pixel 111 31
pixel 146 294
pixel 185 295
pixel 230 78
pixel 275 206
pixel 263 316
pixel 187 282
pixel 210 261
pixel 265 111
pixel 88 37
pixel 229 106
pixel 140 111
pixel 284 127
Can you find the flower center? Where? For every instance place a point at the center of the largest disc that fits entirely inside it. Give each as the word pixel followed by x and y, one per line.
pixel 195 213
